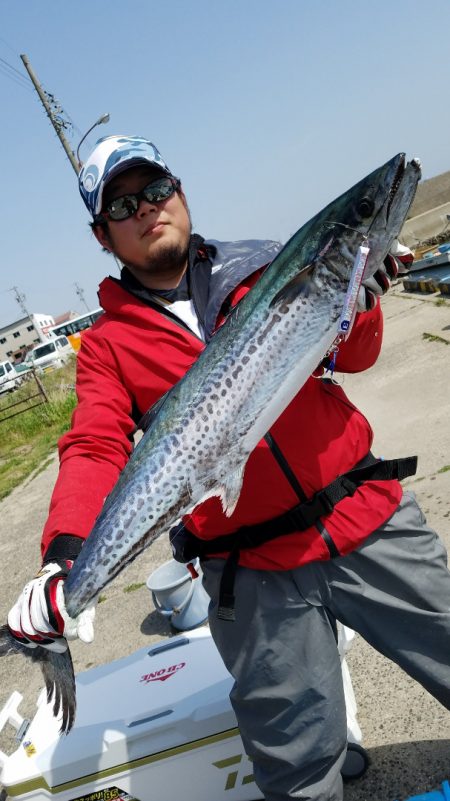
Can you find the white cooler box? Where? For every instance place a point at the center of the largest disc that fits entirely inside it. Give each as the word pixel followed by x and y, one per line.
pixel 154 726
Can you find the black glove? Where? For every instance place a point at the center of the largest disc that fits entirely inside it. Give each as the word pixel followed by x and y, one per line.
pixel 185 546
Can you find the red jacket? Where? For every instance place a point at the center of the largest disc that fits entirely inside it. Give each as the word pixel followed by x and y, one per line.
pixel 134 354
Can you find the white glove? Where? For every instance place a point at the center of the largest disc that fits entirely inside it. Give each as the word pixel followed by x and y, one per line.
pixel 39 615
pixel 403 256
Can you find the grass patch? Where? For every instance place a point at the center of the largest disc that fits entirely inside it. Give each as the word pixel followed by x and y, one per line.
pixel 444 469
pixel 43 466
pixel 28 440
pixel 441 302
pixel 434 338
pixel 133 587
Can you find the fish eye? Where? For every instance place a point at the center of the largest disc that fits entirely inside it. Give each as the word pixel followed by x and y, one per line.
pixel 365 207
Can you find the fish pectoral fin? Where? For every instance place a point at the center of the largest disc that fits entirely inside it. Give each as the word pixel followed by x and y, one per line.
pixel 299 285
pixel 224 484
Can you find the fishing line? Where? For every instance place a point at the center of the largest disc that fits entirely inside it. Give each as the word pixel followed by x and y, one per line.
pixel 364 237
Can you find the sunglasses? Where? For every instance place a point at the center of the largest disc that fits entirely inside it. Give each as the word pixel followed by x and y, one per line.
pixel 124 207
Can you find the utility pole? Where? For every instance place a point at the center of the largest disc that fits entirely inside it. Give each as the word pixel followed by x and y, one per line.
pixel 58 123
pixel 80 293
pixel 20 297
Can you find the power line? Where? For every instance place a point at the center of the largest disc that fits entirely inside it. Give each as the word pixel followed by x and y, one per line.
pixel 74 128
pixel 13 77
pixel 10 66
pixel 16 74
pixel 8 45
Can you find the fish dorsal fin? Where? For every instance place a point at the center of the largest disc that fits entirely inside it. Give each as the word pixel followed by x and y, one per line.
pixel 299 285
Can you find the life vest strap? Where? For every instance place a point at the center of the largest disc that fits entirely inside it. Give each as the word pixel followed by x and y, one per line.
pixel 299 518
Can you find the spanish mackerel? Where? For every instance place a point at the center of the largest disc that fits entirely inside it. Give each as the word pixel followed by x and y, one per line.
pixel 212 419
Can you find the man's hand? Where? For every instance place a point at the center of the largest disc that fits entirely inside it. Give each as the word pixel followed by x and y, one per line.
pixel 403 256
pixel 377 285
pixel 39 615
pixel 399 259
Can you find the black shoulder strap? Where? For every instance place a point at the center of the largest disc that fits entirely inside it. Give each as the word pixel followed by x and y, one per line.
pixel 285 466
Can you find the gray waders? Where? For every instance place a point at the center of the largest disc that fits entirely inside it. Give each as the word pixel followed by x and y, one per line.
pixel 281 649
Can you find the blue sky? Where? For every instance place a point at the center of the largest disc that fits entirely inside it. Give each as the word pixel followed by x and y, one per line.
pixel 267 110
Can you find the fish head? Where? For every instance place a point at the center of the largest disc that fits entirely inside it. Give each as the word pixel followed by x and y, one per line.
pixel 371 213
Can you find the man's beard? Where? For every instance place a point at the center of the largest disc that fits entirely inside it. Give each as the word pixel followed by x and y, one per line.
pixel 168 259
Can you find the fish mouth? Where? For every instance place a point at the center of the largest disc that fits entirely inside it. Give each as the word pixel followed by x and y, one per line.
pixel 400 173
pixel 395 185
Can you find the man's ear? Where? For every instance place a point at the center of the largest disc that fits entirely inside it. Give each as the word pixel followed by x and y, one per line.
pixel 101 235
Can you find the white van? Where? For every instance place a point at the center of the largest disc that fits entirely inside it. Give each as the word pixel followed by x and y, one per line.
pixel 50 355
pixel 9 377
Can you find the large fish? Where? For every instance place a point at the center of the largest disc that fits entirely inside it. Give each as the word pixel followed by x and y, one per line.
pixel 210 422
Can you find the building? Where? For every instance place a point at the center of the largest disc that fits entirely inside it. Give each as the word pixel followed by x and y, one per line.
pixel 18 337
pixel 65 317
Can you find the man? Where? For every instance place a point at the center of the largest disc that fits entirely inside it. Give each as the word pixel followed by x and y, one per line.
pixel 369 562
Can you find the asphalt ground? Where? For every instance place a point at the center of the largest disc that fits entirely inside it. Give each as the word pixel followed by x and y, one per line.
pixel 406 398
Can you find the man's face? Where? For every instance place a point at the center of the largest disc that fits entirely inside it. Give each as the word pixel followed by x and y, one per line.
pixel 153 243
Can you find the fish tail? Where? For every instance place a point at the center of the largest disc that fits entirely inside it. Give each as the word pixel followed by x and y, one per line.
pixel 57 669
